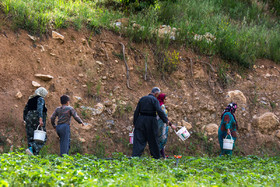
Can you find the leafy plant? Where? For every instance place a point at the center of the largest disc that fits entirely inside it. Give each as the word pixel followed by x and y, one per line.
pixel 88 170
pixel 171 62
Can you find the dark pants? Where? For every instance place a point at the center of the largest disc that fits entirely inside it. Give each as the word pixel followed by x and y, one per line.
pixel 63 131
pixel 32 122
pixel 146 130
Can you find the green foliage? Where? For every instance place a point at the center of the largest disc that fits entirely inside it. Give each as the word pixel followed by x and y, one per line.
pixel 85 114
pixel 243 29
pixel 76 147
pixel 171 62
pixel 122 109
pixel 100 147
pixel 18 169
pixel 223 68
pixel 274 6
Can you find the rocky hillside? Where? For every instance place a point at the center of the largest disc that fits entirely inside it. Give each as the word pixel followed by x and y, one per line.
pixel 90 68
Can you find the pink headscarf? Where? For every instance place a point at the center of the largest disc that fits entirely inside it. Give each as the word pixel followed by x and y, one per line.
pixel 161 98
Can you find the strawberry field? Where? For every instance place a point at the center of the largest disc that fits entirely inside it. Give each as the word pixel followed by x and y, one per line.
pixel 18 169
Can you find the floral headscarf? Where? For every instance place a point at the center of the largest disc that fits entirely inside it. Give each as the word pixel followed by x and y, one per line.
pixel 231 108
pixel 40 92
pixel 161 98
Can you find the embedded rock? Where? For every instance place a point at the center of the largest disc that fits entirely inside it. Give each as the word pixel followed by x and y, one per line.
pixel 236 96
pixel 267 122
pixel 211 129
pixel 19 95
pixel 36 84
pixel 277 134
pixel 44 77
pixel 187 125
pixel 98 109
pixel 56 35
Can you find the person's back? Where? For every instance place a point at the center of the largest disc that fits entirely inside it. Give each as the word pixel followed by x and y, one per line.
pixel 64 114
pixel 145 124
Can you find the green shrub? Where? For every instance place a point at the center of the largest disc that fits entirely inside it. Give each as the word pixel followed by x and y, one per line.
pixel 171 62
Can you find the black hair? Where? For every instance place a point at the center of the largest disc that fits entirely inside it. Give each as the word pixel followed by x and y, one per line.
pixel 64 99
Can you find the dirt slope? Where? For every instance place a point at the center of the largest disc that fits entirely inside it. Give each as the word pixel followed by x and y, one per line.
pixel 92 71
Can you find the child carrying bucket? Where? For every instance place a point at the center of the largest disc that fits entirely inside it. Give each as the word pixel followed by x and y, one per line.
pixel 64 114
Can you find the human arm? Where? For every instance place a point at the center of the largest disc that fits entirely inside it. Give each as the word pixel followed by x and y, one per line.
pixel 40 106
pixel 25 112
pixel 53 117
pixel 75 116
pixel 136 113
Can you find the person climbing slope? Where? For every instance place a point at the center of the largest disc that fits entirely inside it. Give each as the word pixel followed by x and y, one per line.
pixel 64 114
pixel 34 114
pixel 228 127
pixel 146 126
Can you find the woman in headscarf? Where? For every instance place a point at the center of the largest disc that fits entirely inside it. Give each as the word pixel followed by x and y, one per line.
pixel 228 127
pixel 34 114
pixel 162 127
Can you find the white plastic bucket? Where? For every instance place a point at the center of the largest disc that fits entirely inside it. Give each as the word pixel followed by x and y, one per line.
pixel 183 133
pixel 131 137
pixel 228 143
pixel 39 135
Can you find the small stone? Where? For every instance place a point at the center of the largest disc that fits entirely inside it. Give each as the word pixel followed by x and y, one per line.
pixel 277 134
pixel 108 103
pixel 39 60
pixel 104 77
pixel 98 109
pixel 36 84
pixel 77 98
pixel 52 54
pixel 42 48
pixel 82 140
pixel 33 38
pixel 44 77
pixel 81 75
pixel 19 95
pixel 16 106
pixel 56 35
pixel 84 86
pixel 9 141
pixel 114 108
pixel 99 63
pixel 187 125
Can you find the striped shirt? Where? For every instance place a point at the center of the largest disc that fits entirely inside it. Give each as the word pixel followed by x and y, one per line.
pixel 64 114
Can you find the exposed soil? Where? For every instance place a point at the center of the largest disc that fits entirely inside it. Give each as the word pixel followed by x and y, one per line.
pixel 195 92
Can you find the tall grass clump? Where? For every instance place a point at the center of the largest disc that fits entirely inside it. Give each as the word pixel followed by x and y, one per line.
pixel 37 16
pixel 239 31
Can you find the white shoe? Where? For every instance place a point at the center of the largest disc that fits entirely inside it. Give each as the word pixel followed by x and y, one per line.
pixel 28 151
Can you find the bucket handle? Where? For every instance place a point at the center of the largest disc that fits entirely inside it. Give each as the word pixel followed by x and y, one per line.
pixel 38 127
pixel 229 135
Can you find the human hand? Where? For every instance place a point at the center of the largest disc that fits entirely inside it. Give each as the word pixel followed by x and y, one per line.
pixel 173 127
pixel 83 124
pixel 41 122
pixel 228 132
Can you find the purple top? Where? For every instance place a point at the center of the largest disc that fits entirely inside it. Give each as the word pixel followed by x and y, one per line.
pixel 64 114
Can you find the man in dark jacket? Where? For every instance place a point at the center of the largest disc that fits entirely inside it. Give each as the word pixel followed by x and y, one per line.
pixel 146 126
